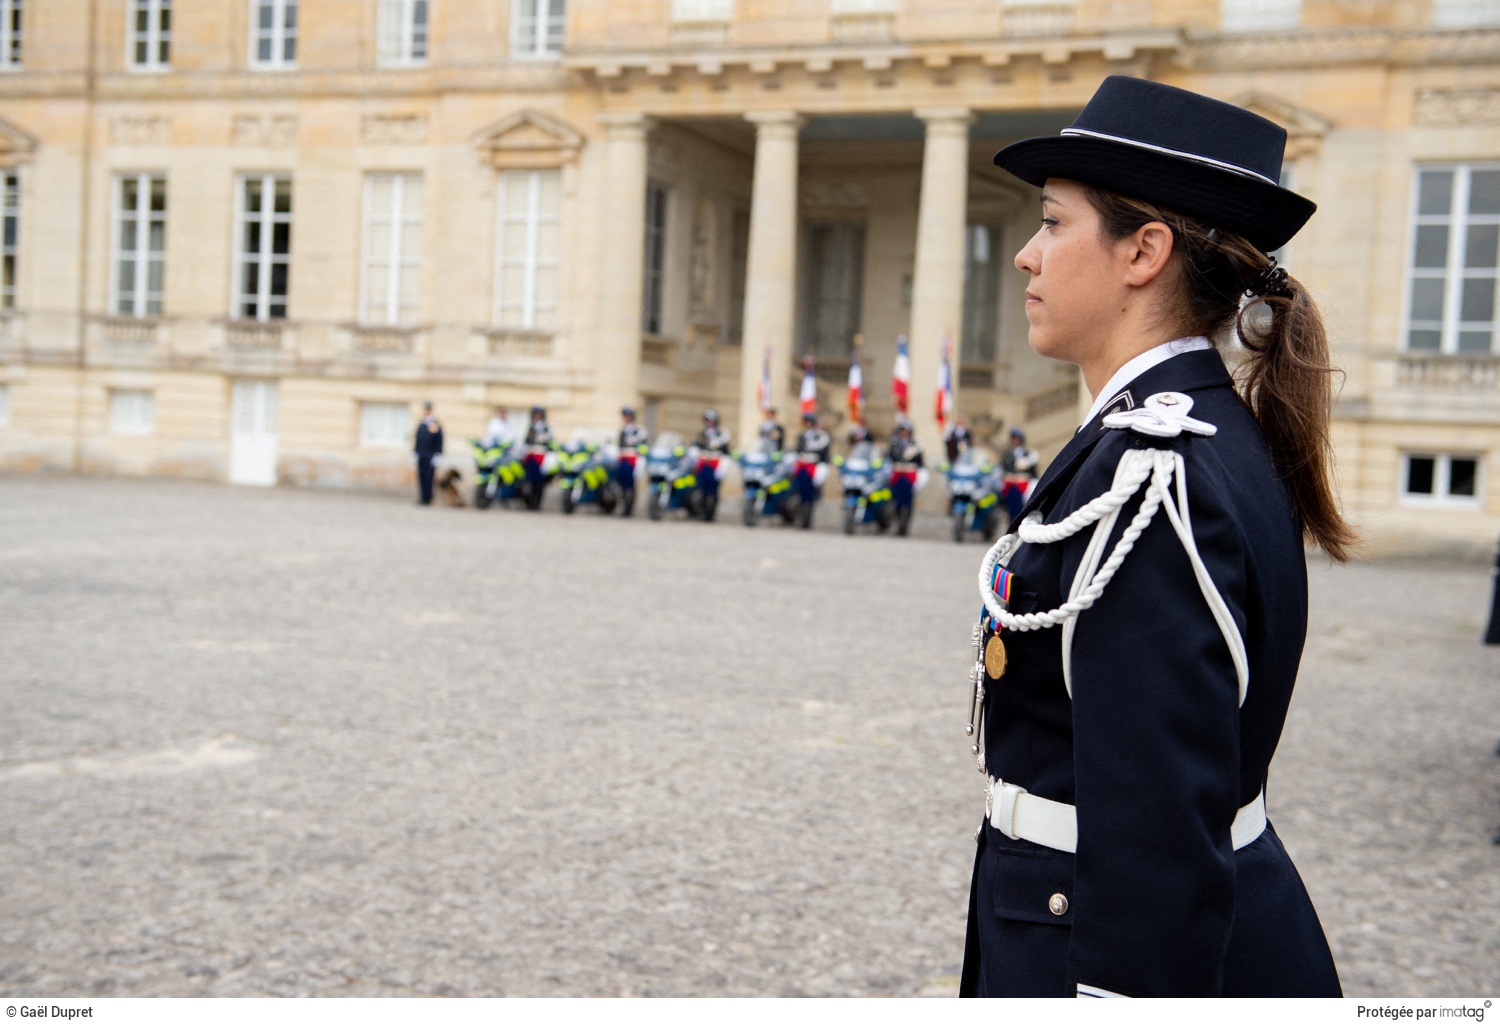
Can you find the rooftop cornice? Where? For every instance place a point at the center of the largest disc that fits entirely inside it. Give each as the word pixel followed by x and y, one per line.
pixel 875 56
pixel 1301 48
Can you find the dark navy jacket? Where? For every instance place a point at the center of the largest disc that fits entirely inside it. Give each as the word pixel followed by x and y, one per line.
pixel 429 439
pixel 1153 747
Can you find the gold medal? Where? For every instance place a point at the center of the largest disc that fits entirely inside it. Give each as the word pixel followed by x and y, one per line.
pixel 994 657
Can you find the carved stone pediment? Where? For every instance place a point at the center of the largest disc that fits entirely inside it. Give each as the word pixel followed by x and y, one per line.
pixel 16 146
pixel 528 139
pixel 1304 129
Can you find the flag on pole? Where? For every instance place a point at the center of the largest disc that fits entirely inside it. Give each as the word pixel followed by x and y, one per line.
pixel 856 386
pixel 809 387
pixel 763 390
pixel 901 376
pixel 944 406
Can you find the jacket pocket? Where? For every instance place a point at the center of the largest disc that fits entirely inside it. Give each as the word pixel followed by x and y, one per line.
pixel 1023 601
pixel 1033 886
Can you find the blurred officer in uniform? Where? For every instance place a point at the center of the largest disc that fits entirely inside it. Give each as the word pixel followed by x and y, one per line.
pixel 957 438
pixel 498 431
pixel 772 433
pixel 1022 467
pixel 428 447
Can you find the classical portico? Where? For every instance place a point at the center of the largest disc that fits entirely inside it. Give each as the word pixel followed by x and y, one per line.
pixel 793 232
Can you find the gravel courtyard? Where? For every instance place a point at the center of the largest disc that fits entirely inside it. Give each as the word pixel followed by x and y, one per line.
pixel 295 743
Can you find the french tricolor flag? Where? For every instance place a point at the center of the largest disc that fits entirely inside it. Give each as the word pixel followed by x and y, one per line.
pixel 944 406
pixel 901 375
pixel 763 390
pixel 856 388
pixel 809 387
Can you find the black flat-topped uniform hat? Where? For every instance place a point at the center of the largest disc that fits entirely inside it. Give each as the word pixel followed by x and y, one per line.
pixel 1191 154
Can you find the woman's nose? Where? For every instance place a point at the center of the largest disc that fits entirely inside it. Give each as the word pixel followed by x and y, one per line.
pixel 1029 257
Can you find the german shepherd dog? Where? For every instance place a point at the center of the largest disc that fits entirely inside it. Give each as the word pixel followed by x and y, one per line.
pixel 448 488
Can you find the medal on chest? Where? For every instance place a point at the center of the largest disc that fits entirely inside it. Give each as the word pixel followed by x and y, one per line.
pixel 989 662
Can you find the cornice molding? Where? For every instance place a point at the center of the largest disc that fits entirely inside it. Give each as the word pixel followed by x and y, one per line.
pixel 823 59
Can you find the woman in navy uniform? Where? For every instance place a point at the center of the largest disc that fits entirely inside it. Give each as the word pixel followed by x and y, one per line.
pixel 1142 628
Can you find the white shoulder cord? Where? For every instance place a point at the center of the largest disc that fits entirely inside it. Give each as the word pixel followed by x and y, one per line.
pixel 1164 415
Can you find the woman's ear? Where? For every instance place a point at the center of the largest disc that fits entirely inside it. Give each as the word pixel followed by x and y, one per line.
pixel 1146 251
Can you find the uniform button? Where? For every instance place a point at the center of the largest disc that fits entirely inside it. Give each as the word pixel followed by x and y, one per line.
pixel 1058 903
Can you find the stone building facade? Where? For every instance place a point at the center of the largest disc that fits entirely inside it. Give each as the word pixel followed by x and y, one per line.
pixel 243 241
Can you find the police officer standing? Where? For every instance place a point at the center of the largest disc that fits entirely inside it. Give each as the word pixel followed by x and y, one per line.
pixel 1022 466
pixel 712 445
pixel 905 455
pixel 712 438
pixel 772 434
pixel 427 447
pixel 538 443
pixel 813 444
pixel 538 432
pixel 633 437
pixel 957 438
pixel 632 433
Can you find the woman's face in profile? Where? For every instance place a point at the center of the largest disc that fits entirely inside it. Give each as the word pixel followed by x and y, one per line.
pixel 1076 288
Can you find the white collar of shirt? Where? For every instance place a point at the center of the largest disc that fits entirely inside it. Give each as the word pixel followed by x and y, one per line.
pixel 1139 365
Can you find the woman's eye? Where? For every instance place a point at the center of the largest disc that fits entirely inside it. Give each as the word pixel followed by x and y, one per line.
pixel 1049 222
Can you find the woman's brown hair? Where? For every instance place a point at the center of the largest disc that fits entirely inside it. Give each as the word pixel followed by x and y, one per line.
pixel 1287 379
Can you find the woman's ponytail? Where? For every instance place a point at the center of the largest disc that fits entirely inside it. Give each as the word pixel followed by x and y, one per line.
pixel 1287 381
pixel 1287 377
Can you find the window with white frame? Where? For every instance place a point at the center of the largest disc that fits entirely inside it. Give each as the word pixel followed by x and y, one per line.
pixel 390 286
pixel 1259 15
pixel 537 28
pixel 132 412
pixel 273 33
pixel 1451 300
pixel 10 33
pixel 1463 14
pixel 150 34
pixel 1440 478
pixel 702 10
pixel 140 244
pixel 264 251
pixel 401 31
pixel 384 425
pixel 10 236
pixel 4 405
pixel 654 278
pixel 528 245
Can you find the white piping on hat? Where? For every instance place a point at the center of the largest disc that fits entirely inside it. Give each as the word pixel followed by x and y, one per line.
pixel 1194 157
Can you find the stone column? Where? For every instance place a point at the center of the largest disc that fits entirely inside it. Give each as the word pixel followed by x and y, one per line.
pixel 771 270
pixel 622 230
pixel 937 305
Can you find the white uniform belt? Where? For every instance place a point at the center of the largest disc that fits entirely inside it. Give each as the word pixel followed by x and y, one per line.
pixel 1016 813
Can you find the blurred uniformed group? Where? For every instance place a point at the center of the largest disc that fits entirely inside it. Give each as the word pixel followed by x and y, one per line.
pixel 610 471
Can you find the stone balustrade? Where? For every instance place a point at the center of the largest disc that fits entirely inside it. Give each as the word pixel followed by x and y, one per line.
pixel 253 335
pixel 1467 371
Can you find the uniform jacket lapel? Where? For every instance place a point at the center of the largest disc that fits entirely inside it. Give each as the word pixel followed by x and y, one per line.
pixel 1186 372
